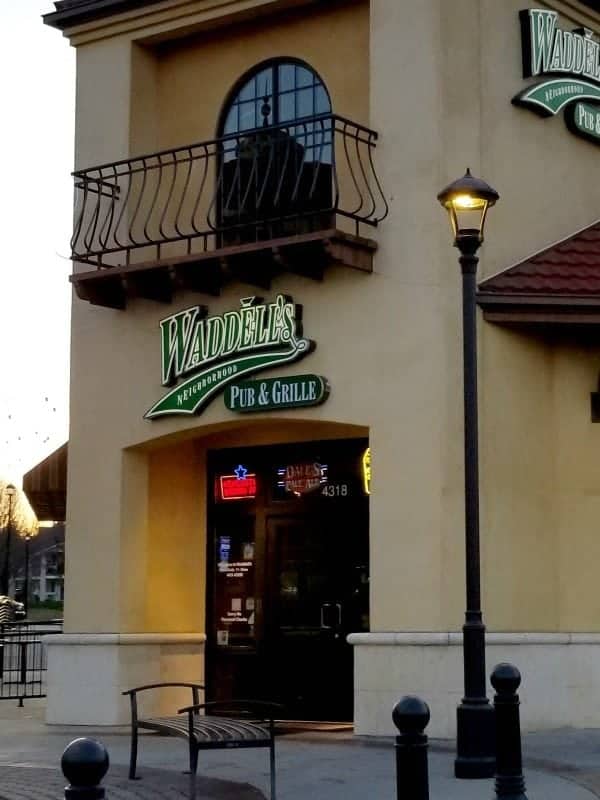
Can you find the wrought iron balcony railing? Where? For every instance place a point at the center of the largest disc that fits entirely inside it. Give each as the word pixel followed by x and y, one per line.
pixel 266 184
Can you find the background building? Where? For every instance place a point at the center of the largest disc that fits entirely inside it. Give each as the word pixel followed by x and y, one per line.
pixel 45 570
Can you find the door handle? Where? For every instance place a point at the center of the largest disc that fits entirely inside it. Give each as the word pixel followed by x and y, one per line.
pixel 331 616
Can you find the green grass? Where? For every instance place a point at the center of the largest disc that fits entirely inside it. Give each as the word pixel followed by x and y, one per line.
pixel 42 612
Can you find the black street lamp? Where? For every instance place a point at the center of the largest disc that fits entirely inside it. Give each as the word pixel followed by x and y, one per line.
pixel 467 201
pixel 10 491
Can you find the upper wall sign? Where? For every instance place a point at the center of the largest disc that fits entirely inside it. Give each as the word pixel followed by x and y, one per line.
pixel 214 351
pixel 572 56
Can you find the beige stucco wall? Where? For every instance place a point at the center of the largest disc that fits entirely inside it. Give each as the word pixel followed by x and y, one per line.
pixel 519 537
pixel 195 78
pixel 578 489
pixel 541 483
pixel 176 540
pixel 437 87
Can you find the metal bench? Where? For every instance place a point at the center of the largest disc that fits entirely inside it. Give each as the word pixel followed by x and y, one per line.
pixel 231 724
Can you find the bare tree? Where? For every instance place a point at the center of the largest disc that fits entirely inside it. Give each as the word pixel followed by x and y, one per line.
pixel 23 520
pixel 17 522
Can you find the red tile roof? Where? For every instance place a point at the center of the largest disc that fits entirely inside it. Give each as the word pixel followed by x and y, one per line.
pixel 568 269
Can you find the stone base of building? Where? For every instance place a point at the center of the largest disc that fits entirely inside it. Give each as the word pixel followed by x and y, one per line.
pixel 560 677
pixel 87 674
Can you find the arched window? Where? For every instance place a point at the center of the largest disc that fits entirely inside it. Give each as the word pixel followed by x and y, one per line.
pixel 277 135
pixel 290 89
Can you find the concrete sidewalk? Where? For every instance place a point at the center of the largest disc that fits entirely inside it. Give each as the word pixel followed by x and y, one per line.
pixel 559 765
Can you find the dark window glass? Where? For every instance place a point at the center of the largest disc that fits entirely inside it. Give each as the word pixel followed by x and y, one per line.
pixel 248 118
pixel 287 91
pixel 287 107
pixel 304 103
pixel 304 77
pixel 232 121
pixel 248 92
pixel 321 100
pixel 283 177
pixel 286 77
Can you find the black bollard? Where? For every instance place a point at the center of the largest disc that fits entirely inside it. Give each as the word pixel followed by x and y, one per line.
pixel 510 783
pixel 411 715
pixel 84 763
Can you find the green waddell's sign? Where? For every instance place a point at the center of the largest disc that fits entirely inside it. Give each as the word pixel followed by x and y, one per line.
pixel 584 120
pixel 570 60
pixel 208 353
pixel 291 391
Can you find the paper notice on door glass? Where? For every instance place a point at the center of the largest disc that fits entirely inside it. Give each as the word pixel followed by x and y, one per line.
pixel 234 584
pixel 223 638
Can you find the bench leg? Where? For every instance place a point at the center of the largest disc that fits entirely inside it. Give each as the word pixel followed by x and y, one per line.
pixel 193 759
pixel 192 792
pixel 272 762
pixel 193 770
pixel 133 756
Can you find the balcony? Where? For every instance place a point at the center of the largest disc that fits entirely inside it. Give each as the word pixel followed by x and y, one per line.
pixel 247 206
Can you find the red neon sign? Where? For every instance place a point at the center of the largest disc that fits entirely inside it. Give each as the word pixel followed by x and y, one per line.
pixel 234 488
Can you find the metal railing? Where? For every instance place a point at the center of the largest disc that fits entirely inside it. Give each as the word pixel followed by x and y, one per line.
pixel 252 186
pixel 23 662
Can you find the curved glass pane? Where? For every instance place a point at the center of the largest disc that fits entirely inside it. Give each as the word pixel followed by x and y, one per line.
pixel 246 108
pixel 281 181
pixel 287 91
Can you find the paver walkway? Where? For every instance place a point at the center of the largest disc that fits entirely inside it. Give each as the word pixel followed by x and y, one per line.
pixel 559 765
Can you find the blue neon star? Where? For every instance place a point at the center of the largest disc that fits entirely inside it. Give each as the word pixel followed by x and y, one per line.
pixel 240 472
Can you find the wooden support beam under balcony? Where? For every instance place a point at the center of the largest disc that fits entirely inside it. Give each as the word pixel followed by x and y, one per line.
pixel 256 263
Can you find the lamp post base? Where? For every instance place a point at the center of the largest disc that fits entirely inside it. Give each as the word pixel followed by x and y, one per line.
pixel 475 740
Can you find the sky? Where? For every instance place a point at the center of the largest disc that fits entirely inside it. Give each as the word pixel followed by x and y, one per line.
pixel 37 90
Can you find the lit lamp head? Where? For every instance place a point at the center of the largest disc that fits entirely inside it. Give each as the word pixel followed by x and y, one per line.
pixel 467 200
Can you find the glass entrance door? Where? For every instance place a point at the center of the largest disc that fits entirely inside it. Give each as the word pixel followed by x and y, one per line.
pixel 289 564
pixel 318 595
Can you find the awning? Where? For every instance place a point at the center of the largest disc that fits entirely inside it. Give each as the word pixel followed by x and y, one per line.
pixel 557 286
pixel 46 486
